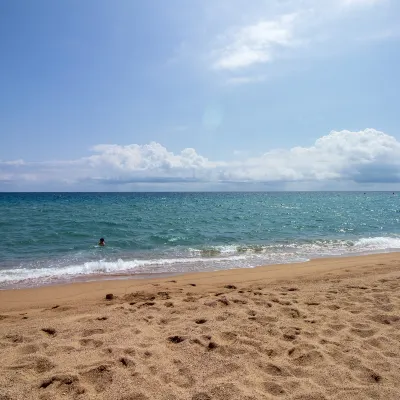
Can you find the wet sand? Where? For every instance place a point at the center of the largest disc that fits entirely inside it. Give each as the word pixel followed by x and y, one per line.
pixel 326 329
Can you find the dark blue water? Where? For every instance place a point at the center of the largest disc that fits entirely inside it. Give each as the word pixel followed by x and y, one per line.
pixel 52 237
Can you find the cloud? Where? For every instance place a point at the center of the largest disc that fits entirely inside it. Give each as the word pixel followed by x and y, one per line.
pixel 292 28
pixel 337 156
pixel 255 43
pixel 367 156
pixel 148 157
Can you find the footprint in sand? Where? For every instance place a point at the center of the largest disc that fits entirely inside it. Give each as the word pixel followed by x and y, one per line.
pixel 379 342
pixel 38 364
pixel 291 333
pixel 29 349
pixel 312 303
pixel 363 333
pixel 333 307
pixel 176 339
pixel 385 319
pixel 337 327
pixel 272 369
pixel 182 379
pixel 239 301
pixel 305 355
pixel 100 377
pixel 281 302
pixel 43 364
pixel 228 336
pixel 127 362
pixel 14 338
pixel 201 396
pixel 146 304
pixel 367 375
pixel 273 388
pixel 49 331
pixel 130 351
pixel 291 312
pixel 90 332
pixel 91 343
pixel 212 346
pixel 62 384
pixel 164 295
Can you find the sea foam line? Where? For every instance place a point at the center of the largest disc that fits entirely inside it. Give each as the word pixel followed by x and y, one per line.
pixel 99 267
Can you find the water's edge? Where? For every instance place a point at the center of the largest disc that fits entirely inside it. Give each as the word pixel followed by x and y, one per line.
pixel 166 275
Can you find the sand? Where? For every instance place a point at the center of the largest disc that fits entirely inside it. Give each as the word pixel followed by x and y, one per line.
pixel 327 329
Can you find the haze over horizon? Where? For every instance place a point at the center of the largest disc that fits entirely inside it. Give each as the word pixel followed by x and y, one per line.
pixel 206 96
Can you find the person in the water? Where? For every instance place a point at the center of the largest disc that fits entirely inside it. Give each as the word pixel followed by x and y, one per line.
pixel 102 242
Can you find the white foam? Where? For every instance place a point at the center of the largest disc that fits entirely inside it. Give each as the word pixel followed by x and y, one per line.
pixel 223 249
pixel 378 243
pixel 100 267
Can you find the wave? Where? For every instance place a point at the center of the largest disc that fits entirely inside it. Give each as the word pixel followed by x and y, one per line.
pixel 378 243
pixel 363 244
pixel 196 259
pixel 101 267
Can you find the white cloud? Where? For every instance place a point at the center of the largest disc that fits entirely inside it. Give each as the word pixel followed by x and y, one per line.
pixel 367 156
pixel 339 155
pixel 293 28
pixel 255 43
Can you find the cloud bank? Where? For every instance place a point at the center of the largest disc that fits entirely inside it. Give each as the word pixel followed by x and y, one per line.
pixel 367 156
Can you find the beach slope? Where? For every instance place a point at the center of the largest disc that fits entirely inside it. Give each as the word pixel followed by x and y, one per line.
pixel 326 329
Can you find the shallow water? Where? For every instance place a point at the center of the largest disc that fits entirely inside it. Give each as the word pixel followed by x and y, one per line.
pixel 52 237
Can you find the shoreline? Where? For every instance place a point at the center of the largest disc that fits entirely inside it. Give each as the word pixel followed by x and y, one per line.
pixel 89 278
pixel 88 290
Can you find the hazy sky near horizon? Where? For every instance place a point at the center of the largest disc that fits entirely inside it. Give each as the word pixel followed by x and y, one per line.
pixel 199 95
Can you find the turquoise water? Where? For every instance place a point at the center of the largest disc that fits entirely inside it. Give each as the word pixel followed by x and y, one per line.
pixel 52 237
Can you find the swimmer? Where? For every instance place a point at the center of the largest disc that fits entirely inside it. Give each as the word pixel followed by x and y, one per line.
pixel 102 242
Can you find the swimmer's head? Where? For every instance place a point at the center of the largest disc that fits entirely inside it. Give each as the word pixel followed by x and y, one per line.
pixel 101 242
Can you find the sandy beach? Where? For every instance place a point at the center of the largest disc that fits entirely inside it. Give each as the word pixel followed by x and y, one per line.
pixel 326 329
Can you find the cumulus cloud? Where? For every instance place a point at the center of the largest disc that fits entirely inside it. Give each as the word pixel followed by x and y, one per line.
pixel 151 157
pixel 367 156
pixel 339 155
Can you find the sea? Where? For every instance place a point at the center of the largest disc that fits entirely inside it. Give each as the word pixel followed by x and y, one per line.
pixel 52 238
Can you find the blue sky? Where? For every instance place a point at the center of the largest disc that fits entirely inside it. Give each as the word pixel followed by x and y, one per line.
pixel 199 95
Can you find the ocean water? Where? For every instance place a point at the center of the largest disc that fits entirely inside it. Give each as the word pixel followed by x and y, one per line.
pixel 49 238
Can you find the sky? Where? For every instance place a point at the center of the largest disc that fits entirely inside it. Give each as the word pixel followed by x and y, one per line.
pixel 199 95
